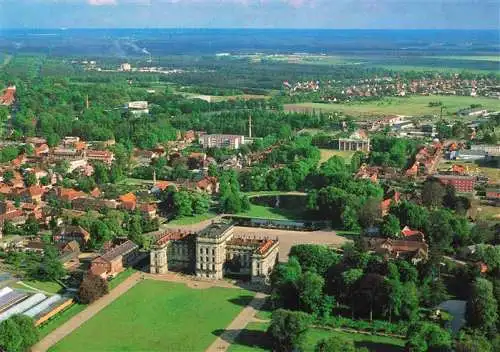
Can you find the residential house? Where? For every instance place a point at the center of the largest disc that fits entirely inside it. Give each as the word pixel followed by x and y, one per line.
pixel 386 203
pixel 208 184
pixel 115 260
pixel 71 233
pixel 128 201
pixel 104 156
pixel 463 184
pixel 415 251
pixel 149 210
pixel 69 194
pixel 69 255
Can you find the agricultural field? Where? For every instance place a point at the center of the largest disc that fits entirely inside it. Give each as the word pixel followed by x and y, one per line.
pixel 411 106
pixel 159 316
pixel 492 58
pixel 253 339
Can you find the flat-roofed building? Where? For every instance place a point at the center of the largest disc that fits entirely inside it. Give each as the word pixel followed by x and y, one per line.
pixel 221 141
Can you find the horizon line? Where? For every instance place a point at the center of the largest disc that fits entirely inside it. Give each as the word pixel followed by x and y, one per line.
pixel 251 28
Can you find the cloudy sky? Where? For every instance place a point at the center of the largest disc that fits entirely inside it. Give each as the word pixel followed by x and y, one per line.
pixel 432 14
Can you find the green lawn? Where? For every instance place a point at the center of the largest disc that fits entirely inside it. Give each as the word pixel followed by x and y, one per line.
pixel 328 153
pixel 271 193
pixel 253 339
pixel 121 277
pixel 263 212
pixel 60 319
pixel 46 286
pixel 190 220
pixel 412 106
pixel 159 316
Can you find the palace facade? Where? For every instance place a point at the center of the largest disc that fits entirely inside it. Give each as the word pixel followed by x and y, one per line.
pixel 214 253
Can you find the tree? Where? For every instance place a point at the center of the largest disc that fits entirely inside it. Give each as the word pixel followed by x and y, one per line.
pixel 183 203
pixel 432 193
pixel 92 288
pixel 314 258
pixel 369 213
pixel 212 170
pixel 428 337
pixel 410 214
pixel 18 333
pixel 200 203
pixel 31 226
pixel 356 160
pixel 390 226
pixel 288 329
pixel 50 268
pixel 101 174
pixel 284 280
pixel 472 341
pixel 310 287
pixel 30 179
pixel 482 307
pixel 335 344
pixel 8 176
pixel 432 292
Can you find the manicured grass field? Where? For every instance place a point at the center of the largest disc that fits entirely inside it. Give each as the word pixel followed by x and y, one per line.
pixel 263 212
pixel 411 106
pixel 121 277
pixel 60 319
pixel 328 153
pixel 190 220
pixel 253 339
pixel 47 286
pixel 159 316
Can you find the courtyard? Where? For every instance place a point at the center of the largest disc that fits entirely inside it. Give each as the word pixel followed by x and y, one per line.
pixel 159 316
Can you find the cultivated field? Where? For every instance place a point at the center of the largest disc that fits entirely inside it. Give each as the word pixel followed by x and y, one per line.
pixel 159 316
pixel 411 106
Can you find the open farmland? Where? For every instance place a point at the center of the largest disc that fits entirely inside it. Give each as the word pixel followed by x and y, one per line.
pixel 159 316
pixel 411 106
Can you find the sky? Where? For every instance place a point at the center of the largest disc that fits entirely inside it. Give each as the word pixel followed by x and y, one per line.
pixel 366 14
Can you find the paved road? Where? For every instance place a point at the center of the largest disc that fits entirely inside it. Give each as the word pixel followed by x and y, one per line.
pixel 224 341
pixel 75 322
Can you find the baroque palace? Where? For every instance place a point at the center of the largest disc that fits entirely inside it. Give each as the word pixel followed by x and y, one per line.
pixel 213 253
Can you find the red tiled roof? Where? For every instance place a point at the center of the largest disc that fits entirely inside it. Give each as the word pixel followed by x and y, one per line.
pixel 406 231
pixel 163 185
pixel 171 235
pixel 8 96
pixel 207 181
pixel 128 198
pixel 148 207
pixel 69 194
pixel 96 192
